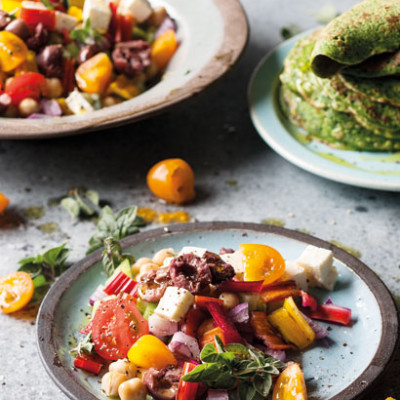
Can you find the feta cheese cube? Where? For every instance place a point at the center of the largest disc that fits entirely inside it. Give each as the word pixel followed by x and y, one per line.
pixel 197 251
pixel 236 260
pixel 65 21
pixel 330 280
pixel 174 304
pixel 139 9
pixel 99 14
pixel 298 274
pixel 77 103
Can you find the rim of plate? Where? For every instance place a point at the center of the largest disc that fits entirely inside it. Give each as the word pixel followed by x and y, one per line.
pixel 234 39
pixel 298 154
pixel 389 339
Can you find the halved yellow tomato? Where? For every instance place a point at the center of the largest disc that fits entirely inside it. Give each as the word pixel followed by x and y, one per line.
pixel 290 384
pixel 262 262
pixel 16 291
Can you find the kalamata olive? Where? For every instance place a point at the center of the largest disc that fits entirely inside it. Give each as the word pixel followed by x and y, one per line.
pixel 104 44
pixel 50 61
pixel 4 19
pixel 131 58
pixel 39 38
pixel 19 28
pixel 87 52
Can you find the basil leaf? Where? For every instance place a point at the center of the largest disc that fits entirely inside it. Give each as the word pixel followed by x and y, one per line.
pixel 71 206
pixel 113 257
pixel 31 268
pixel 208 353
pixel 262 384
pixel 124 220
pixel 41 286
pixel 196 374
pixel 55 258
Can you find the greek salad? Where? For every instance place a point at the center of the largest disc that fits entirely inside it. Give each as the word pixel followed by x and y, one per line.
pixel 193 324
pixel 63 57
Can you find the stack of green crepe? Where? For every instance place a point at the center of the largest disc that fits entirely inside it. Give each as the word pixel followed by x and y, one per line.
pixel 341 84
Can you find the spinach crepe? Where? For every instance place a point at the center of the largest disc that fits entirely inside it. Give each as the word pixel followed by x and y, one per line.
pixel 370 28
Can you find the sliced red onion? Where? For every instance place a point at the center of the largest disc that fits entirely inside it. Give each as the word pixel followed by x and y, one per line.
pixel 161 327
pixel 97 295
pixel 50 107
pixel 278 354
pixel 308 301
pixel 240 313
pixel 320 332
pixel 213 394
pixel 329 301
pixel 37 116
pixel 185 345
pixel 167 25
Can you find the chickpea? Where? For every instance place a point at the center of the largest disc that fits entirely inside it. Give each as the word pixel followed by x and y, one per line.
pixel 205 326
pixel 123 367
pixel 136 267
pixel 111 382
pixel 145 268
pixel 54 88
pixel 8 81
pixel 230 299
pixel 28 106
pixel 162 254
pixel 110 101
pixel 158 16
pixel 133 389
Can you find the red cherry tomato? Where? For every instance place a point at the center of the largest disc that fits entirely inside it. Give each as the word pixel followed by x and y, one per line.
pixel 30 85
pixel 117 324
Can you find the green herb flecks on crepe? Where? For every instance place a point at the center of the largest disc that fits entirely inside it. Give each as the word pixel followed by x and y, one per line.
pixel 369 28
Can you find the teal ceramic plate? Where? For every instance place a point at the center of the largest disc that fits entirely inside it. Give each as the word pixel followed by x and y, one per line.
pixel 370 170
pixel 358 355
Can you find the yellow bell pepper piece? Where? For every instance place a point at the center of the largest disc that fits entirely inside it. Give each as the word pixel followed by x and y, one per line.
pixel 164 48
pixel 124 87
pixel 292 325
pixel 13 51
pixel 29 65
pixel 149 351
pixel 11 5
pixel 76 12
pixel 64 107
pixel 95 74
pixel 76 3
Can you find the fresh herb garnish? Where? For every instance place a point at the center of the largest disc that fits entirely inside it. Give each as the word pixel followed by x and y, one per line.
pixel 71 50
pixel 222 366
pixel 289 31
pixel 45 268
pixel 125 223
pixel 86 34
pixel 81 202
pixel 48 4
pixel 113 256
pixel 85 346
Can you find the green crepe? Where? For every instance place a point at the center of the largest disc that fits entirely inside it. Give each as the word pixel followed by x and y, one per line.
pixel 369 28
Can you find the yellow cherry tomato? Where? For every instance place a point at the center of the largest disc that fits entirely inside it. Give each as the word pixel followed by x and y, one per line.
pixel 172 180
pixel 150 352
pixel 95 74
pixel 290 384
pixel 164 48
pixel 262 262
pixel 13 51
pixel 16 291
pixel 4 202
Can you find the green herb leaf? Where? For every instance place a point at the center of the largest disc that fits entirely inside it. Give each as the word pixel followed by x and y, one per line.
pixel 71 206
pixel 86 34
pixel 48 4
pixel 289 31
pixel 81 202
pixel 85 346
pixel 41 286
pixel 113 256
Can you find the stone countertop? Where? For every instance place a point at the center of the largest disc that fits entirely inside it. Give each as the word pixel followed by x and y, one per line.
pixel 237 177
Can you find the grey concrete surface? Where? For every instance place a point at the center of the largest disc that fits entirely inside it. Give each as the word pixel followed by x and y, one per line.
pixel 214 134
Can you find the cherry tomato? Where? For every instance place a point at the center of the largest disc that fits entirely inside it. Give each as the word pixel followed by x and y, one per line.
pixel 117 325
pixel 16 291
pixel 290 384
pixel 262 262
pixel 13 51
pixel 31 84
pixel 172 180
pixel 4 202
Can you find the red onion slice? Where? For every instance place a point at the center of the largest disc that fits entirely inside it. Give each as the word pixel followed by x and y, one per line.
pixel 161 327
pixel 97 295
pixel 240 313
pixel 185 345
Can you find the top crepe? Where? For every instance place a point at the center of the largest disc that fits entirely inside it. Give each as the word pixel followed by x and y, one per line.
pixel 370 28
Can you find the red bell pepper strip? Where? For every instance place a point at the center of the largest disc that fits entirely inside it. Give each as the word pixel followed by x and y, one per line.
pixel 222 320
pixel 192 321
pixel 30 85
pixel 112 27
pixel 279 291
pixel 332 313
pixel 187 390
pixel 120 284
pixel 125 26
pixel 201 301
pixel 240 286
pixel 68 78
pixel 34 15
pixel 84 362
pixel 264 331
pixel 308 301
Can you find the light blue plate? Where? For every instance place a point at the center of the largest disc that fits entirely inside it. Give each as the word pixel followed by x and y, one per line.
pixel 358 355
pixel 370 170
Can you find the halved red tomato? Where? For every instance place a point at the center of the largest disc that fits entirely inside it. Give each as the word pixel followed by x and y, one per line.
pixel 116 326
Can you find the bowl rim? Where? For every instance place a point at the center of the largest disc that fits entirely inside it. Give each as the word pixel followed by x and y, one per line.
pixel 385 353
pixel 234 41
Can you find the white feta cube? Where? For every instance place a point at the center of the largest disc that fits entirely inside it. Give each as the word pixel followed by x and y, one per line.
pixel 99 14
pixel 197 251
pixel 174 304
pixel 77 103
pixel 33 5
pixel 236 260
pixel 139 9
pixel 317 263
pixel 298 274
pixel 65 21
pixel 330 280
